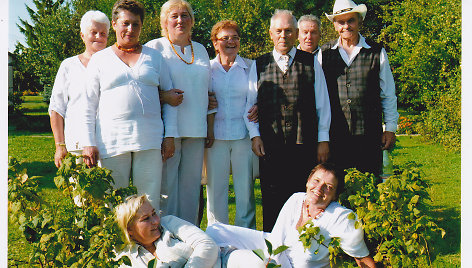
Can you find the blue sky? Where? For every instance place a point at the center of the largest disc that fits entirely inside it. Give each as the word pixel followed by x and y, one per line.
pixel 16 10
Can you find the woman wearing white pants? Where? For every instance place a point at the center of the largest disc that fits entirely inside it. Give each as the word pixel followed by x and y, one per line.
pixel 232 146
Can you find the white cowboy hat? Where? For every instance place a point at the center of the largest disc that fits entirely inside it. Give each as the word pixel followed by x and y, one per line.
pixel 346 6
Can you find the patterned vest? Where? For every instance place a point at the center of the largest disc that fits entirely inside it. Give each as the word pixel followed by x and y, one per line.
pixel 286 102
pixel 354 91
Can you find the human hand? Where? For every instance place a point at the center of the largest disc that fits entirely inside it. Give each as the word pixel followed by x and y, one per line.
pixel 168 148
pixel 252 114
pixel 258 146
pixel 210 139
pixel 388 140
pixel 212 102
pixel 172 97
pixel 61 152
pixel 90 155
pixel 323 151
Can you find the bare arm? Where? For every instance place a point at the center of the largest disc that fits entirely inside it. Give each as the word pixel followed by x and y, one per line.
pixel 57 126
pixel 365 262
pixel 210 132
pixel 173 96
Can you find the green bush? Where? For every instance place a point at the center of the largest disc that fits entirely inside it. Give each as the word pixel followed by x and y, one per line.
pixel 64 234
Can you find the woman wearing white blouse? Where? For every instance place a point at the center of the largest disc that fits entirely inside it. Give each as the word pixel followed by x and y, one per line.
pixel 232 146
pixel 189 67
pixel 64 106
pixel 122 110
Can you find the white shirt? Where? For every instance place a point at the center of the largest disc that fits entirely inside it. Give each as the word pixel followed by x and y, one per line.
pixel 122 109
pixel 231 89
pixel 193 79
pixel 323 109
pixel 69 86
pixel 388 98
pixel 333 222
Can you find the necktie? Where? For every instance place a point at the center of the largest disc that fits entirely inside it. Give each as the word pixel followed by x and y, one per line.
pixel 285 59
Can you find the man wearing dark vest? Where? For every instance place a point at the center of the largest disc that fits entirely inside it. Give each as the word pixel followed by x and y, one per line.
pixel 361 90
pixel 294 116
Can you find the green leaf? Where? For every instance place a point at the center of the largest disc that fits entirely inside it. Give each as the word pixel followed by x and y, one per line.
pixel 272 265
pixel 280 249
pixel 151 263
pixel 269 246
pixel 259 253
pixel 351 216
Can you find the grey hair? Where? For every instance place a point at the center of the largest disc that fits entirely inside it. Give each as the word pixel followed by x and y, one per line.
pixel 311 18
pixel 279 12
pixel 93 15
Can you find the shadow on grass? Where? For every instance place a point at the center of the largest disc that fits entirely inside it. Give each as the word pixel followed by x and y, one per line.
pixel 46 169
pixel 450 220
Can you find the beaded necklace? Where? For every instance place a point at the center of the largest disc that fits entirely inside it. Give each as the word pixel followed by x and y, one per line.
pixel 175 51
pixel 317 216
pixel 129 50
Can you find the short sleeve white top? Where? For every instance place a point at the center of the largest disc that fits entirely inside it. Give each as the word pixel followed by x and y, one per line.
pixel 68 87
pixel 123 112
pixel 193 79
pixel 333 222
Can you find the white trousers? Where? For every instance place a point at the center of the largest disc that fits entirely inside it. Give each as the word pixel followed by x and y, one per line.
pixel 182 174
pixel 145 169
pixel 238 155
pixel 243 239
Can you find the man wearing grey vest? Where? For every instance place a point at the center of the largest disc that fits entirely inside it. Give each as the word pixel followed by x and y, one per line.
pixel 294 116
pixel 361 89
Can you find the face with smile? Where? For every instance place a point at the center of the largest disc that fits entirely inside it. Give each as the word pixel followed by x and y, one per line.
pixel 227 42
pixel 179 22
pixel 309 35
pixel 95 37
pixel 283 33
pixel 321 188
pixel 128 28
pixel 347 25
pixel 145 227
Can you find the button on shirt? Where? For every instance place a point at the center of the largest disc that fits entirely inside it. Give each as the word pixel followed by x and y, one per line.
pixel 387 85
pixel 323 109
pixel 231 89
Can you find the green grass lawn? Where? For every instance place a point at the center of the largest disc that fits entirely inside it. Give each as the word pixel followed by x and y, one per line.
pixel 441 169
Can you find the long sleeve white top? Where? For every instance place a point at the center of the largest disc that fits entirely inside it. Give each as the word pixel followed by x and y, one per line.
pixel 231 90
pixel 387 85
pixel 68 88
pixel 323 109
pixel 122 110
pixel 181 244
pixel 193 79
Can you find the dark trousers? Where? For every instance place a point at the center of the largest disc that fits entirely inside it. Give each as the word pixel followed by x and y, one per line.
pixel 357 151
pixel 283 171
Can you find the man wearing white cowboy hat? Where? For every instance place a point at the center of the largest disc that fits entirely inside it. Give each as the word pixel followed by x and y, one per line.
pixel 361 89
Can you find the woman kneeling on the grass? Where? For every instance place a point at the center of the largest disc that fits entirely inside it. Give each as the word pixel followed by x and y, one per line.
pixel 318 205
pixel 173 242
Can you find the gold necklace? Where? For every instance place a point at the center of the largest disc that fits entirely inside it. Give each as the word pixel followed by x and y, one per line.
pixel 317 216
pixel 133 49
pixel 175 51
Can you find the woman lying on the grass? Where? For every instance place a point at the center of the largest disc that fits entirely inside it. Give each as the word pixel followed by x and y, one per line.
pixel 173 242
pixel 318 205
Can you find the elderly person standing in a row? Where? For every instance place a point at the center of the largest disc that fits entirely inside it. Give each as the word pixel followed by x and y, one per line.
pixel 361 89
pixel 65 108
pixel 294 116
pixel 189 66
pixel 309 33
pixel 122 108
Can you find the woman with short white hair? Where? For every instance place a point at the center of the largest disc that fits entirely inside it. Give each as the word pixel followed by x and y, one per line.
pixel 64 107
pixel 173 242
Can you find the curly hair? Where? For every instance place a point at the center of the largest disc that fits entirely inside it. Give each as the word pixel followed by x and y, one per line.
pixel 132 6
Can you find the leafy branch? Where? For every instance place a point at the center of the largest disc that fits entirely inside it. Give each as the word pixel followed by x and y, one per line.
pixel 269 262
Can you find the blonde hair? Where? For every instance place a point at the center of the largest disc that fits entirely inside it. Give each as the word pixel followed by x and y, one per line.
pixel 125 213
pixel 167 7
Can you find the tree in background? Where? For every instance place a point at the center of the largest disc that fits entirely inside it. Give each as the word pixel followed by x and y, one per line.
pixel 424 40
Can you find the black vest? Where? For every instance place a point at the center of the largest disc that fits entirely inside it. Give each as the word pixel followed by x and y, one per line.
pixel 354 92
pixel 286 102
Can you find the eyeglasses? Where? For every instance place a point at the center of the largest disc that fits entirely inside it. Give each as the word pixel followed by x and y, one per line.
pixel 227 38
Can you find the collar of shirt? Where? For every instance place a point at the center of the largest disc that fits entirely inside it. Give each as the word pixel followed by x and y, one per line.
pixel 349 58
pixel 278 57
pixel 237 62
pixel 318 48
